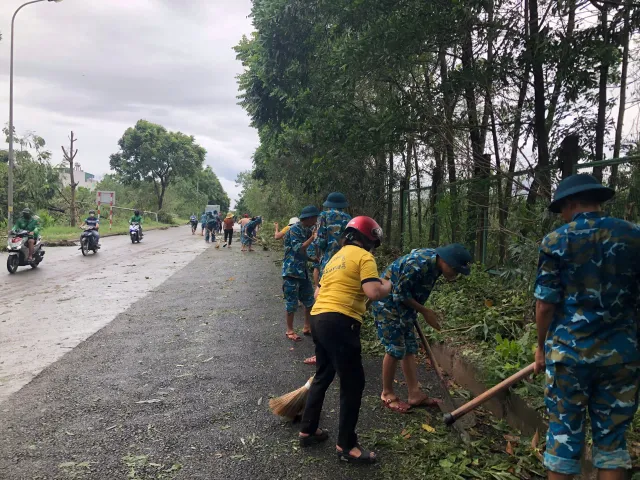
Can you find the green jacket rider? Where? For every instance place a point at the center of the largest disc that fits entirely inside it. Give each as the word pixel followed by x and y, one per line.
pixel 137 218
pixel 27 221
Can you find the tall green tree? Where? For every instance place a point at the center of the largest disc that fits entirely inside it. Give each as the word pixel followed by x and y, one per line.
pixel 150 153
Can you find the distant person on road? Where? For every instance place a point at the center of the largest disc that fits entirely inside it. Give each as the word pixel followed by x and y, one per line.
pixel 194 224
pixel 243 221
pixel 220 222
pixel 279 234
pixel 94 224
pixel 212 226
pixel 28 222
pixel 137 218
pixel 296 285
pixel 248 235
pixel 587 291
pixel 228 230
pixel 203 221
pixel 413 277
pixel 349 278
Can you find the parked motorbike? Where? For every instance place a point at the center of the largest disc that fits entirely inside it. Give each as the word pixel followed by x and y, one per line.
pixel 19 251
pixel 88 241
pixel 134 232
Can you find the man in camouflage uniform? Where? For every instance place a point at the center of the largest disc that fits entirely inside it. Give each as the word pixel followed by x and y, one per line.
pixel 331 224
pixel 295 275
pixel 413 278
pixel 586 289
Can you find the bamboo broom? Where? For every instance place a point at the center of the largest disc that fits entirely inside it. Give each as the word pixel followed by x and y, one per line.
pixel 291 405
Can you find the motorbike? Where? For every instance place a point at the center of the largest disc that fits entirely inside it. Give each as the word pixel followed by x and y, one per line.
pixel 88 241
pixel 19 251
pixel 134 232
pixel 194 227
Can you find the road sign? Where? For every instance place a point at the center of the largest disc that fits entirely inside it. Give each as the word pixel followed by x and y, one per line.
pixel 107 198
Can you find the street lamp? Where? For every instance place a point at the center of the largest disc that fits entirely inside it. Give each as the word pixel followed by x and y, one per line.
pixel 11 159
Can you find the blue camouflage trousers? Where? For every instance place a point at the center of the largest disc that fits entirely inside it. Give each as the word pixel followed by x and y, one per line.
pixel 395 331
pixel 295 289
pixel 609 394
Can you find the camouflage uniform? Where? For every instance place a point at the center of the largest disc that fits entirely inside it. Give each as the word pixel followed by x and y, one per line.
pixel 331 224
pixel 313 255
pixel 412 276
pixel 296 284
pixel 590 268
pixel 249 230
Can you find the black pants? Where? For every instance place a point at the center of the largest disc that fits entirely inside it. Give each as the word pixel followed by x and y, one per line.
pixel 337 340
pixel 228 235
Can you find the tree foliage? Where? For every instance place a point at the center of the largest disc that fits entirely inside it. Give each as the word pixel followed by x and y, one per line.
pixel 150 153
pixel 380 98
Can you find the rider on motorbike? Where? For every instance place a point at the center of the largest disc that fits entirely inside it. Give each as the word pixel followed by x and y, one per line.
pixel 194 223
pixel 137 218
pixel 27 221
pixel 94 224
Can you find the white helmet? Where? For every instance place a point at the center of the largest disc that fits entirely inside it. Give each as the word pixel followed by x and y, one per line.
pixel 293 220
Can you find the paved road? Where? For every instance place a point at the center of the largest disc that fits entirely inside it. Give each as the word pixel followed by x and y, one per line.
pixel 184 376
pixel 47 311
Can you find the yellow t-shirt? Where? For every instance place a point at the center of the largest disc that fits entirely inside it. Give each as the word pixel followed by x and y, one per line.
pixel 285 229
pixel 341 285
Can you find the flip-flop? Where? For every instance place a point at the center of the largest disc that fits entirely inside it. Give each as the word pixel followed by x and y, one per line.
pixel 400 407
pixel 310 360
pixel 426 402
pixel 306 333
pixel 294 337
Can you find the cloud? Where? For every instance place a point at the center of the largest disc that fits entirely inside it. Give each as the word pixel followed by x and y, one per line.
pixel 99 66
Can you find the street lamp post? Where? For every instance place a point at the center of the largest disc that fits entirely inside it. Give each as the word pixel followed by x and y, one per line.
pixel 11 158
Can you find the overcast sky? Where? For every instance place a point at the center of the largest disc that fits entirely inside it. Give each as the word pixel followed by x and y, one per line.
pixel 98 66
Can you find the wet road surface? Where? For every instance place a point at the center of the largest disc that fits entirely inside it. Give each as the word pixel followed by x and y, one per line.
pixel 177 387
pixel 47 311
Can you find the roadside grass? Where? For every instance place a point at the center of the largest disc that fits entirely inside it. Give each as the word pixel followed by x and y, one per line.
pixel 58 233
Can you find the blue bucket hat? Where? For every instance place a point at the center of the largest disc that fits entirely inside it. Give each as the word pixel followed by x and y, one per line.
pixel 336 200
pixel 580 183
pixel 456 256
pixel 309 211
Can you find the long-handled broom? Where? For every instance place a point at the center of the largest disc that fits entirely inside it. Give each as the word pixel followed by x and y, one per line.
pixel 291 405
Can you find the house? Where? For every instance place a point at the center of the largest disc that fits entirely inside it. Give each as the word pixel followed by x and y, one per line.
pixel 82 178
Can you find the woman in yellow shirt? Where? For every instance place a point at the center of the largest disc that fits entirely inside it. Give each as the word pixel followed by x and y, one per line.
pixel 281 233
pixel 350 277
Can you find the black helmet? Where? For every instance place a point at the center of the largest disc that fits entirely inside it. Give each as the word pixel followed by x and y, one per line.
pixel 26 213
pixel 136 212
pixel 92 212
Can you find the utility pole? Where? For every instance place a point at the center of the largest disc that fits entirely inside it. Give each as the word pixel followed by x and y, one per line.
pixel 69 157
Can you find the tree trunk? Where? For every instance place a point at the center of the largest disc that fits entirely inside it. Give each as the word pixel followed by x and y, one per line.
pixel 448 138
pixel 602 95
pixel 542 177
pixel 623 95
pixel 419 195
pixel 436 177
pixel 69 157
pixel 563 66
pixel 568 154
pixel 475 133
pixel 390 186
pixel 407 186
pixel 505 204
pixel 483 207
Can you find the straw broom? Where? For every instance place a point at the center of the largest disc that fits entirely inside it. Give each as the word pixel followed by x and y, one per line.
pixel 291 405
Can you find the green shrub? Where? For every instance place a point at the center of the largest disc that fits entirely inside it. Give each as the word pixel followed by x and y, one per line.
pixel 46 219
pixel 166 217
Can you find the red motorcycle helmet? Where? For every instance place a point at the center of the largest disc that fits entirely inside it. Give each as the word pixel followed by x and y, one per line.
pixel 369 231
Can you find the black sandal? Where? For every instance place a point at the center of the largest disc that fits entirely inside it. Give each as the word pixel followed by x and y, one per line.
pixel 365 457
pixel 314 439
